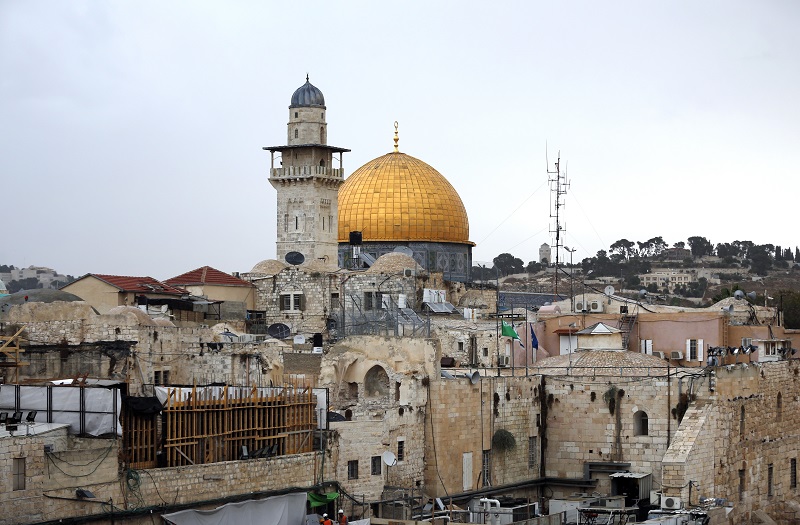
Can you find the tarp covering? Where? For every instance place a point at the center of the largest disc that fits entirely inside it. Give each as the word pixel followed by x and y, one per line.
pixel 101 406
pixel 289 509
pixel 317 500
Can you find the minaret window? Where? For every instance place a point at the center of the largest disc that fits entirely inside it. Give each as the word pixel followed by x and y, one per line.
pixel 295 114
pixel 322 163
pixel 295 133
pixel 296 222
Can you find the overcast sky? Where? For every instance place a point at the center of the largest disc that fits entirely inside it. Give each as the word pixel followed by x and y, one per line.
pixel 131 132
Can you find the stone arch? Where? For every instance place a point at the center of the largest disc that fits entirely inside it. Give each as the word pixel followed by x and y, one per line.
pixel 376 382
pixel 641 425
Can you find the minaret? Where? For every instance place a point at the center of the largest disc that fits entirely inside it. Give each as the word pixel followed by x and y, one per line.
pixel 307 181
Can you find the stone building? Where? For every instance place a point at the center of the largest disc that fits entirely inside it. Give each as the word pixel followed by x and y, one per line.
pixel 306 180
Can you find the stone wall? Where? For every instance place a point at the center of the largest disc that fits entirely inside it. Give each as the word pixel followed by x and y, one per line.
pixel 461 421
pixel 51 478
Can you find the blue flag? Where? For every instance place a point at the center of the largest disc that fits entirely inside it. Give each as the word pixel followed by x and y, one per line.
pixel 534 341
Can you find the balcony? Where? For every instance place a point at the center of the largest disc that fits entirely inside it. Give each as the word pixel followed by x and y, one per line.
pixel 307 171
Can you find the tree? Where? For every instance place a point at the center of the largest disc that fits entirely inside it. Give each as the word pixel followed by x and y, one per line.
pixel 700 246
pixel 533 267
pixel 726 249
pixel 24 284
pixel 508 264
pixel 760 260
pixel 624 247
pixel 679 244
pixel 6 269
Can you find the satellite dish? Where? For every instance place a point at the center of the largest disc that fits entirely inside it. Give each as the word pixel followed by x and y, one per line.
pixel 751 296
pixel 299 339
pixel 295 258
pixel 642 293
pixel 389 458
pixel 738 294
pixel 609 290
pixel 279 331
pixel 405 250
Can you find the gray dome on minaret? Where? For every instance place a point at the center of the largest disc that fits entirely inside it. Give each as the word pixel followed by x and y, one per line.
pixel 307 95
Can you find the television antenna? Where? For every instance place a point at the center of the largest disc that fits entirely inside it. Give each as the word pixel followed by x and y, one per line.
pixel 557 178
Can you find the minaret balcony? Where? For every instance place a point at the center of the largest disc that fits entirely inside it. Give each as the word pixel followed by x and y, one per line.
pixel 287 172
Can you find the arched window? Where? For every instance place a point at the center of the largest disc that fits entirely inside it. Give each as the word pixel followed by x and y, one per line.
pixel 376 382
pixel 640 423
pixel 295 133
pixel 779 407
pixel 295 114
pixel 322 163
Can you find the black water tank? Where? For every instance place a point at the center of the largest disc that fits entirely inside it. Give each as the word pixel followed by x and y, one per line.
pixel 355 238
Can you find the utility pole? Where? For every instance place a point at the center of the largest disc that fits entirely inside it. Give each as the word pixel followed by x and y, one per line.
pixel 558 188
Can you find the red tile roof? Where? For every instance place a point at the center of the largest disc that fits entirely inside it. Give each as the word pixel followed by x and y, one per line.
pixel 138 284
pixel 207 275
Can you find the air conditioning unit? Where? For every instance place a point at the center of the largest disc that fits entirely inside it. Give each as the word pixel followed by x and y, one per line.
pixel 504 360
pixel 670 503
pixel 578 306
pixel 676 356
pixel 596 306
pixel 409 272
pixel 660 354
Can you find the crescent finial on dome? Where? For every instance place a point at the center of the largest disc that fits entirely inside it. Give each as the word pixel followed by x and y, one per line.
pixel 396 138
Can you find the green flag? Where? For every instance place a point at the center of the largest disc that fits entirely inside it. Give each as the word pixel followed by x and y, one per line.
pixel 509 331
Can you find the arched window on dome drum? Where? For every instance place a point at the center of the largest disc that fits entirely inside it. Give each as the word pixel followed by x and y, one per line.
pixel 640 424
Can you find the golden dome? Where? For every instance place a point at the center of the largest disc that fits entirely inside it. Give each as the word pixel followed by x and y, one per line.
pixel 399 198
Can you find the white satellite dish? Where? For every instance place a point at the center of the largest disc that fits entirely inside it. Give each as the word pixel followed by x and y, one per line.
pixel 609 290
pixel 389 458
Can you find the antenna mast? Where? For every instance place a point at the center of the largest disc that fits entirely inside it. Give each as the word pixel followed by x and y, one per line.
pixel 558 188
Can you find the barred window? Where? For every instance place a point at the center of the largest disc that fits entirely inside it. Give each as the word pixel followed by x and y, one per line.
pixel 352 469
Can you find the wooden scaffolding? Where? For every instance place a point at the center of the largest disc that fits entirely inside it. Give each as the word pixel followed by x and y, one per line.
pixel 210 424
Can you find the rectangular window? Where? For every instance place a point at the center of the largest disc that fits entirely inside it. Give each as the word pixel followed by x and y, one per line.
pixel 18 474
pixel 401 450
pixel 157 378
pixel 352 469
pixel 461 346
pixel 335 300
pixel 165 376
pixel 369 301
pixel 769 480
pixel 793 473
pixel 375 469
pixel 532 456
pixel 485 352
pixel 741 484
pixel 693 349
pixel 291 302
pixel 486 468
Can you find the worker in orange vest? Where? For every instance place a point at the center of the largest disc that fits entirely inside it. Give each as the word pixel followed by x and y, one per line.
pixel 325 520
pixel 342 517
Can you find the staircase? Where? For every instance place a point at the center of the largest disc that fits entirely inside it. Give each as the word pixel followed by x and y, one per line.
pixel 626 324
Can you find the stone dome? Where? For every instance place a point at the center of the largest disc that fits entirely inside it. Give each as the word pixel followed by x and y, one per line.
pixel 269 267
pixel 397 197
pixel 392 263
pixel 307 95
pixel 603 363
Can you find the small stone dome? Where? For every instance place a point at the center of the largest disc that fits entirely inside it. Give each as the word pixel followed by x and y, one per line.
pixel 603 363
pixel 269 267
pixel 394 263
pixel 307 95
pixel 133 313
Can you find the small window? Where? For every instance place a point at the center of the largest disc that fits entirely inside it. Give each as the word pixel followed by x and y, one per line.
pixel 296 133
pixel 322 115
pixel 295 114
pixel 741 423
pixel 401 450
pixel 779 407
pixel 793 473
pixel 352 469
pixel 741 484
pixel 157 377
pixel 376 466
pixel 18 474
pixel 485 351
pixel 532 456
pixel 291 302
pixel 769 480
pixel 461 346
pixel 486 468
pixel 640 423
